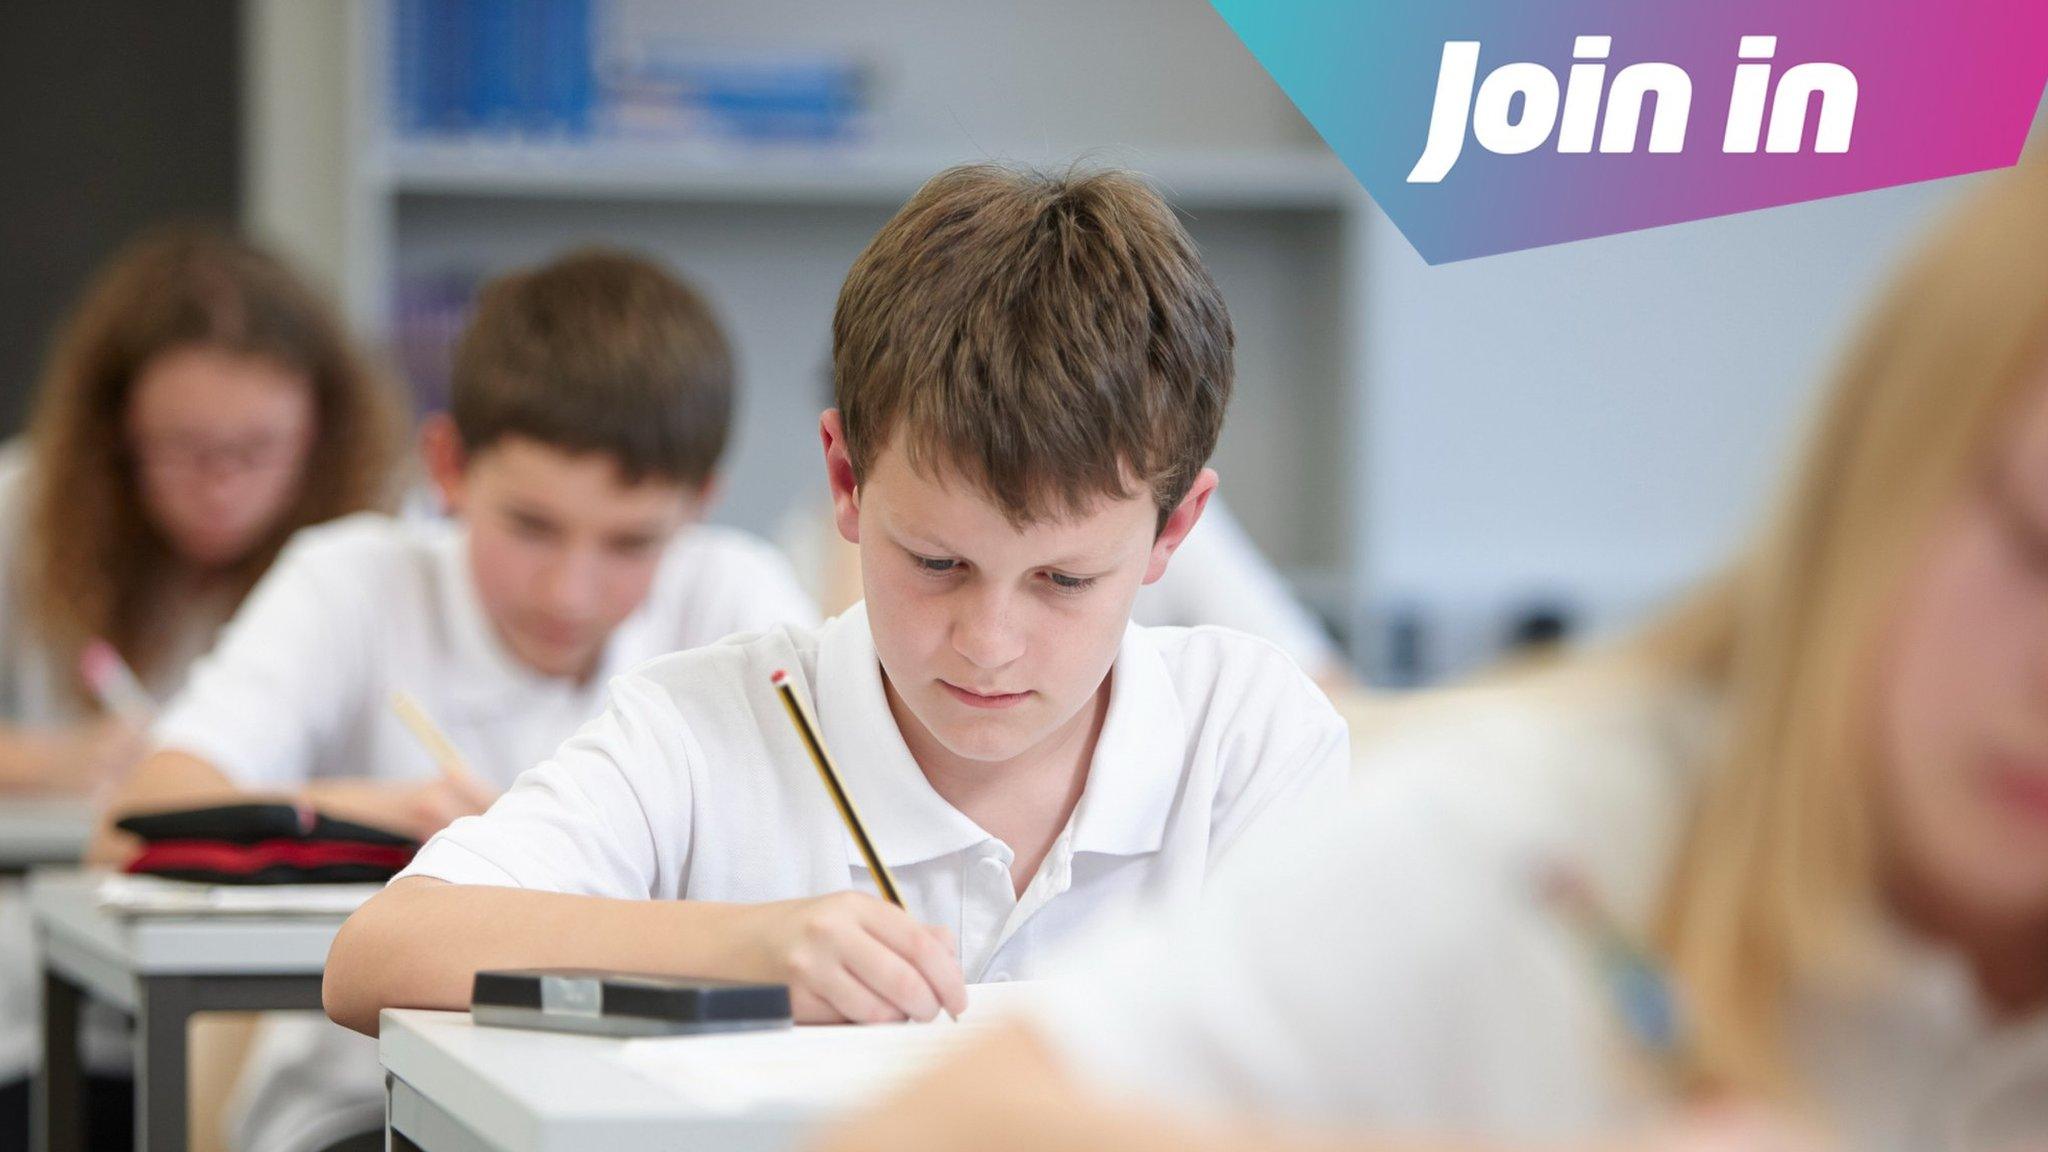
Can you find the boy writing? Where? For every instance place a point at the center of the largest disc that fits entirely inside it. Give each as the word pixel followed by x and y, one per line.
pixel 1031 373
pixel 590 404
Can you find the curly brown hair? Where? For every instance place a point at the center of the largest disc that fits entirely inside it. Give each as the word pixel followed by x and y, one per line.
pixel 91 564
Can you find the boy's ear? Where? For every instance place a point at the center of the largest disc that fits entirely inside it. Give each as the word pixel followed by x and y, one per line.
pixel 839 476
pixel 446 460
pixel 700 500
pixel 1179 523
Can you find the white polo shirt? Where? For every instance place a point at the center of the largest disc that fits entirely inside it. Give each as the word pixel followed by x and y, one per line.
pixel 1396 970
pixel 300 685
pixel 35 692
pixel 693 785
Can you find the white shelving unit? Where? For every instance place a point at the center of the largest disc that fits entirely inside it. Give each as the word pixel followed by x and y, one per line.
pixel 1304 178
pixel 1157 86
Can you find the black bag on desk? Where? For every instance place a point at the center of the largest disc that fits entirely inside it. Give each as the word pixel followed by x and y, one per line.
pixel 264 844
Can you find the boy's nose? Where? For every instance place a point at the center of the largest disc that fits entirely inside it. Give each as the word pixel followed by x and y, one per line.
pixel 987 633
pixel 570 586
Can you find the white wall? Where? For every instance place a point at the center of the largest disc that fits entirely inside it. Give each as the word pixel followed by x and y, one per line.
pixel 1602 421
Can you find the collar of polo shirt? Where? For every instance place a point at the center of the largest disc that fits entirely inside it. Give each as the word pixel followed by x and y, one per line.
pixel 1133 777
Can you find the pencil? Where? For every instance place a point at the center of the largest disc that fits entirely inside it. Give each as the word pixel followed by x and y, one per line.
pixel 1642 995
pixel 807 731
pixel 114 683
pixel 437 744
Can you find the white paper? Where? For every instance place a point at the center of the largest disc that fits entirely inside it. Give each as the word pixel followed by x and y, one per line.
pixel 156 896
pixel 822 1068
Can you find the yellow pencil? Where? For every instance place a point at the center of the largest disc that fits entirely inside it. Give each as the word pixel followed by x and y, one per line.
pixel 437 744
pixel 807 731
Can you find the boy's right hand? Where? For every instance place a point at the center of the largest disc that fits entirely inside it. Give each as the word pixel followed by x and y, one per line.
pixel 851 957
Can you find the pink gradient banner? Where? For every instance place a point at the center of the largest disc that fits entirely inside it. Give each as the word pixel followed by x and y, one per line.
pixel 1933 89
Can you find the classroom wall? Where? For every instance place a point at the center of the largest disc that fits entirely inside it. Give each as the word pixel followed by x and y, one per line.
pixel 1598 425
pixel 108 123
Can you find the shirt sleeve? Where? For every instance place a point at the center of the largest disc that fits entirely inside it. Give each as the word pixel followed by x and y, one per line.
pixel 1293 755
pixel 1219 577
pixel 607 815
pixel 288 668
pixel 1387 967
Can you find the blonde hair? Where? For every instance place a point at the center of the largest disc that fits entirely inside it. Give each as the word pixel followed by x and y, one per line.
pixel 1779 869
pixel 91 563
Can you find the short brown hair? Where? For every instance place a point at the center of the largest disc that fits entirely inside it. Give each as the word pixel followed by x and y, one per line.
pixel 1051 338
pixel 92 563
pixel 598 351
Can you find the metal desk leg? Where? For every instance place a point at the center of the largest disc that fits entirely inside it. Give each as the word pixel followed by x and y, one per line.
pixel 58 1115
pixel 166 1006
pixel 394 1140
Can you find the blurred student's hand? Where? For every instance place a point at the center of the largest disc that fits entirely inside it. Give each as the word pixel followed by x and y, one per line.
pixel 84 758
pixel 852 957
pixel 107 749
pixel 1738 1128
pixel 425 808
pixel 999 1094
pixel 1007 1093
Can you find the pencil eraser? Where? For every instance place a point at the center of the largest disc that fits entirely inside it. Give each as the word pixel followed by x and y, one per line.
pixel 779 676
pixel 97 663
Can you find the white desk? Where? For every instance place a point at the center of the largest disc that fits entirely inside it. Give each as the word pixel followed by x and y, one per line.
pixel 42 830
pixel 456 1087
pixel 160 970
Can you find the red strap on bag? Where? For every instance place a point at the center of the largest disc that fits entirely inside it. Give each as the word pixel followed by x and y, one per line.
pixel 233 859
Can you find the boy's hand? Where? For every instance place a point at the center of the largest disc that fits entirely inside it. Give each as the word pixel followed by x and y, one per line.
pixel 82 758
pixel 105 750
pixel 431 805
pixel 850 957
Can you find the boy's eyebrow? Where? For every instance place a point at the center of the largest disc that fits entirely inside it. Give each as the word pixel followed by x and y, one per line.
pixel 1083 562
pixel 927 545
pixel 1079 563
